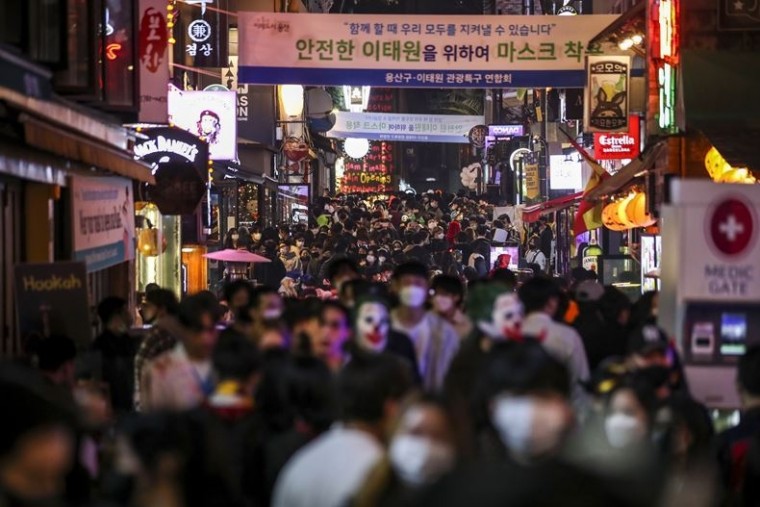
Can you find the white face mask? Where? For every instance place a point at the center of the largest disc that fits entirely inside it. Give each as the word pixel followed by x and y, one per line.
pixel 372 324
pixel 443 304
pixel 513 419
pixel 420 460
pixel 381 259
pixel 370 258
pixel 271 313
pixel 623 430
pixel 412 296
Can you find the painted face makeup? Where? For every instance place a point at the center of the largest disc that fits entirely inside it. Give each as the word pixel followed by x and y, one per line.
pixel 506 318
pixel 372 325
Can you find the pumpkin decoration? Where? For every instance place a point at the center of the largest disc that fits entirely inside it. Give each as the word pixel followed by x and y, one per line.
pixel 638 213
pixel 622 212
pixel 610 217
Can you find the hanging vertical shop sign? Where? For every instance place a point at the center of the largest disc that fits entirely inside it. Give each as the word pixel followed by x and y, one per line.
pixel 181 169
pixel 205 32
pixel 665 56
pixel 153 61
pixel 607 93
pixel 103 215
pixel 208 115
pixel 532 180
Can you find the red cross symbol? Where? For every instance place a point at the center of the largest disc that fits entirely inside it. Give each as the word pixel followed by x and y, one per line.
pixel 732 227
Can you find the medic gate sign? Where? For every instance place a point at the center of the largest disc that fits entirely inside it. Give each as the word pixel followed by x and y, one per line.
pixel 719 229
pixel 621 145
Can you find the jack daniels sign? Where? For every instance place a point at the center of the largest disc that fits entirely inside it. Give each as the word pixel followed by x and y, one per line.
pixel 202 33
pixel 181 169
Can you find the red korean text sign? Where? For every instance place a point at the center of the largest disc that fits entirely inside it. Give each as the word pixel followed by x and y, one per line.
pixel 619 145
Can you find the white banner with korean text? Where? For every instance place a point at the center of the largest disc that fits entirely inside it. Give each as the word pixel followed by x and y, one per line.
pixel 437 128
pixel 417 51
pixel 103 217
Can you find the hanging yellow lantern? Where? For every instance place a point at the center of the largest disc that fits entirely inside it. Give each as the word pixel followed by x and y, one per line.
pixel 148 243
pixel 622 212
pixel 714 163
pixel 638 213
pixel 610 217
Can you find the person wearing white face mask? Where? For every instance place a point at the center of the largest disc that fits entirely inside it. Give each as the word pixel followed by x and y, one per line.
pixel 435 341
pixel 526 397
pixel 421 452
pixel 448 295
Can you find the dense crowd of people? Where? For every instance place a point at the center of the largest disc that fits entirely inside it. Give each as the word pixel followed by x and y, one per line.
pixel 388 372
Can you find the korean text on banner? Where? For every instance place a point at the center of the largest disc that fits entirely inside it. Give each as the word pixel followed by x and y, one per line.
pixel 404 127
pixel 104 224
pixel 154 61
pixel 416 51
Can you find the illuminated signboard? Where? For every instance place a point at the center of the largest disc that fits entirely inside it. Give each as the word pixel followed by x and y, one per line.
pixel 665 54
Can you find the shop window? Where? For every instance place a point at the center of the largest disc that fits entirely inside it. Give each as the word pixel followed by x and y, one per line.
pixel 79 75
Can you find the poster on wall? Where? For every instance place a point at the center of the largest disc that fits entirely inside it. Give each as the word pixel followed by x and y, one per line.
pixel 51 299
pixel 607 98
pixel 153 61
pixel 209 115
pixel 430 51
pixel 102 210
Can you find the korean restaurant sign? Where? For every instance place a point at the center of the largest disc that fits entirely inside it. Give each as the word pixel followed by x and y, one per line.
pixel 416 51
pixel 104 224
pixel 606 104
pixel 437 128
pixel 153 60
pixel 618 146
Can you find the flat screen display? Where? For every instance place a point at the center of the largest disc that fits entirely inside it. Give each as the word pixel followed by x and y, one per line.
pixel 512 251
pixel 733 334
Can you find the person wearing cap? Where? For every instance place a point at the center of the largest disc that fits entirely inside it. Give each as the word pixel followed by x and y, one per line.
pixel 591 325
pixel 647 348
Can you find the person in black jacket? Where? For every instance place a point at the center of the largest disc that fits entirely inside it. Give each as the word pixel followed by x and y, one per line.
pixel 270 274
pixel 117 352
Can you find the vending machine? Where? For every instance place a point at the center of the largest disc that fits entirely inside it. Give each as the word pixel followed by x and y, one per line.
pixel 710 298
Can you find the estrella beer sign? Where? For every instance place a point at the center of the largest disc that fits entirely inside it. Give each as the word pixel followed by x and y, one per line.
pixel 617 146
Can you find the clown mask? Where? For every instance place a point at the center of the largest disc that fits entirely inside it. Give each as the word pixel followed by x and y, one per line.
pixel 372 324
pixel 506 318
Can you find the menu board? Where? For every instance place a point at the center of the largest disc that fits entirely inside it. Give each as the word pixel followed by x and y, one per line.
pixel 374 172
